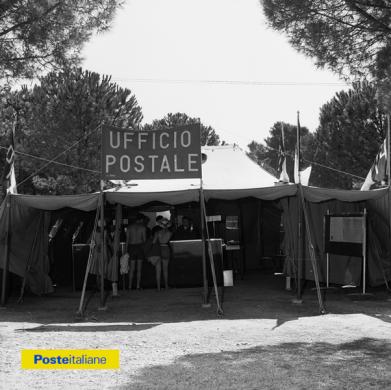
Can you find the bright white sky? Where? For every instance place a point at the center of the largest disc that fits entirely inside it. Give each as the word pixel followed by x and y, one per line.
pixel 210 40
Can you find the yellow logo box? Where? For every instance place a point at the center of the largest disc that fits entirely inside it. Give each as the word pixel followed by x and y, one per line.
pixel 70 359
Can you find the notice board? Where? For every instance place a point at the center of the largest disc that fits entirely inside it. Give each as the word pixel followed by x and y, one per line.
pixel 344 234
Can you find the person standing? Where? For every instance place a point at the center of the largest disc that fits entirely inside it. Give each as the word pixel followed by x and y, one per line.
pixel 164 236
pixel 135 241
pixel 153 255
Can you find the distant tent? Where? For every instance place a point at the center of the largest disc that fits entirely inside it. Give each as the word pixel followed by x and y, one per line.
pixel 225 168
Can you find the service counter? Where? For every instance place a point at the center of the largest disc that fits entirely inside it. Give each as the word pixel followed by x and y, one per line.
pixel 185 267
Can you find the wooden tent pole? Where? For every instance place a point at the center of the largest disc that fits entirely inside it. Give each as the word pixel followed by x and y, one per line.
pixel 212 265
pixel 103 248
pixel 300 221
pixel 312 251
pixel 89 261
pixel 6 252
pixel 205 281
pixel 389 179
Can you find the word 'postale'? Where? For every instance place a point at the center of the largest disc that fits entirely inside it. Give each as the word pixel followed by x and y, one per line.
pixel 162 154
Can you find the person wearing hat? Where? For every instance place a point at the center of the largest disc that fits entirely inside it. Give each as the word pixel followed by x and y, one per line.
pixel 164 235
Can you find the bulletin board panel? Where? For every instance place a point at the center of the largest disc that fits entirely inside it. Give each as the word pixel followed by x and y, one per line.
pixel 344 234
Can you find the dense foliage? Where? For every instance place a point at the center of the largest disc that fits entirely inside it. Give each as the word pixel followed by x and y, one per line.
pixel 38 35
pixel 268 155
pixel 351 130
pixel 351 37
pixel 64 113
pixel 208 134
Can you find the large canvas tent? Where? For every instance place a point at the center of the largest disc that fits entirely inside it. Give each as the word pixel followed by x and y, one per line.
pixel 234 178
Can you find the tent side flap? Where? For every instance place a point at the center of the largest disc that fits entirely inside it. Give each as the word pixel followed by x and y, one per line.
pixel 133 199
pixel 266 193
pixel 317 195
pixel 85 202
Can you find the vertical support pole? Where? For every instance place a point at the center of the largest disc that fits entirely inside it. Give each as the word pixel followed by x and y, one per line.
pixel 73 269
pixel 389 179
pixel 103 249
pixel 6 252
pixel 88 267
pixel 388 149
pixel 205 281
pixel 327 261
pixel 327 269
pixel 364 252
pixel 300 222
pixel 311 251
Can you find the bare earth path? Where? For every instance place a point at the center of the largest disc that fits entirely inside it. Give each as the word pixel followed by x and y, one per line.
pixel 167 341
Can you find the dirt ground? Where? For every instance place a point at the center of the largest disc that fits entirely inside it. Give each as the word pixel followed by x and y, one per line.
pixel 168 341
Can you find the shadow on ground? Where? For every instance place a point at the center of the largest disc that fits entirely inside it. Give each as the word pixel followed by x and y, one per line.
pixel 254 298
pixel 90 328
pixel 362 364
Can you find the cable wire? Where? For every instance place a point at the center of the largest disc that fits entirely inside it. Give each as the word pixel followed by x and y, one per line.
pixel 54 162
pixel 230 82
pixel 60 154
pixel 319 164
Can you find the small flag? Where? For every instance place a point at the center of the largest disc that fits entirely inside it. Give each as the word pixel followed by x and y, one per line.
pixel 305 175
pixel 378 171
pixel 282 158
pixel 296 167
pixel 9 169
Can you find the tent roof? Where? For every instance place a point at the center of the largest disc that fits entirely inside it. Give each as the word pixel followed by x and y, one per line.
pixel 88 202
pixel 228 174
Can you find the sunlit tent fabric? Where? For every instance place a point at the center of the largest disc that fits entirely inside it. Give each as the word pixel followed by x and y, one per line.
pixel 225 167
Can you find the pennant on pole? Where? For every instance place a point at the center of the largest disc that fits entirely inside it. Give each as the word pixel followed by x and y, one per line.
pixel 282 158
pixel 305 175
pixel 378 171
pixel 296 168
pixel 9 169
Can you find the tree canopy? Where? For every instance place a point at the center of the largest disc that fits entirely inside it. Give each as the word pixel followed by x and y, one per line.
pixel 267 155
pixel 351 130
pixel 208 134
pixel 351 37
pixel 64 113
pixel 38 35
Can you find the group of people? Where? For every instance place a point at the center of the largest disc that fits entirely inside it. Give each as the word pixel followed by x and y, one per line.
pixel 142 244
pixel 151 245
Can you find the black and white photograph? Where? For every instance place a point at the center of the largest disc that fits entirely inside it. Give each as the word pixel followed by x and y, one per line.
pixel 195 194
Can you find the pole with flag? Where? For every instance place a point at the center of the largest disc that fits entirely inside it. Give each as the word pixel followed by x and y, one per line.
pixel 9 169
pixel 9 176
pixel 300 212
pixel 284 178
pixel 379 170
pixel 388 177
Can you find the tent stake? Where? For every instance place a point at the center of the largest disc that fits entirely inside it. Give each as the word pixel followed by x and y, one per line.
pixel 6 253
